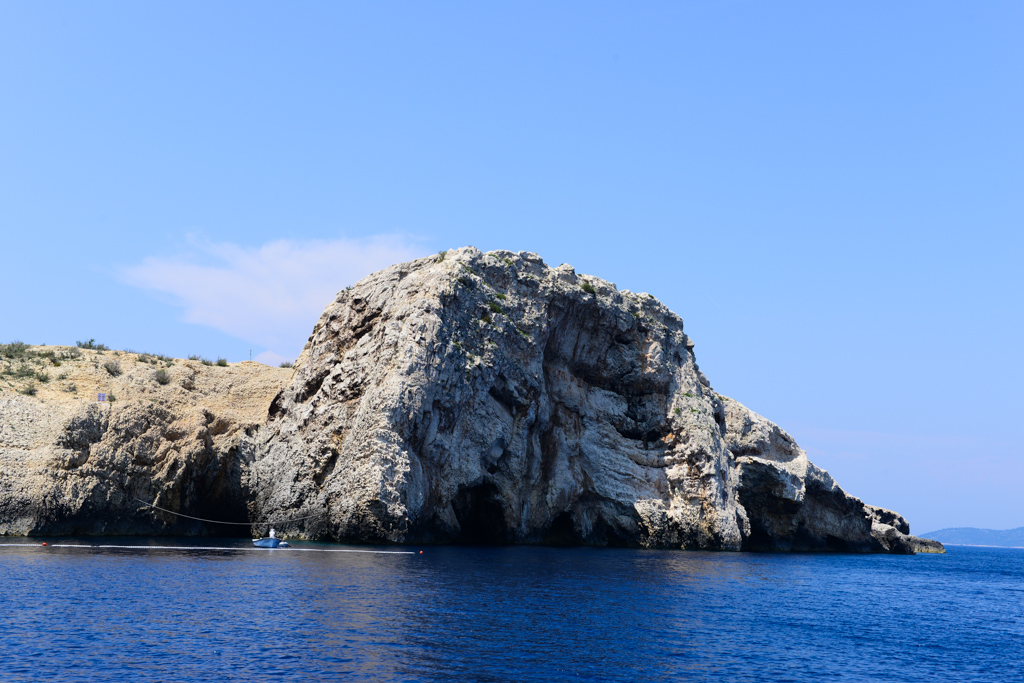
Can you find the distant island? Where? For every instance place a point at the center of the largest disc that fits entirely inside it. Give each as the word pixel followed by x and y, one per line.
pixel 966 535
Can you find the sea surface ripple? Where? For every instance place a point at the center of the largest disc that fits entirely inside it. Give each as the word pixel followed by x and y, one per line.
pixel 228 613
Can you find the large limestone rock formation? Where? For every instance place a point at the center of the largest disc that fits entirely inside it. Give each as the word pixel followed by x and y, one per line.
pixel 476 397
pixel 179 440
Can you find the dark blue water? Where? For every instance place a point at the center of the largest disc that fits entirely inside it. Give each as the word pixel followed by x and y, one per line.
pixel 508 614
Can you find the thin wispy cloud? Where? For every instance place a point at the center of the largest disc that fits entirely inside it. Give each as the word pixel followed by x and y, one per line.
pixel 269 295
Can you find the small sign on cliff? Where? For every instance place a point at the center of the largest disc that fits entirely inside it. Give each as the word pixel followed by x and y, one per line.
pixel 101 398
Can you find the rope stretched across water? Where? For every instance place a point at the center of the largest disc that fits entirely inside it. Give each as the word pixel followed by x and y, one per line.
pixel 217 521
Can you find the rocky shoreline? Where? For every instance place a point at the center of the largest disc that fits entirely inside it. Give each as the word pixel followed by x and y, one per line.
pixel 461 398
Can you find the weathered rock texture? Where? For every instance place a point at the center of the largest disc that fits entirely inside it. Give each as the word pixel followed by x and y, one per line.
pixel 794 505
pixel 488 398
pixel 70 466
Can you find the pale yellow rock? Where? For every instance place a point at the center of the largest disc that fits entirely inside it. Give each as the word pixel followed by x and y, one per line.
pixel 72 465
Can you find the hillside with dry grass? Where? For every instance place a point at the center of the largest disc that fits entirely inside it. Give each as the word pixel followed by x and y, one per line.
pixel 174 432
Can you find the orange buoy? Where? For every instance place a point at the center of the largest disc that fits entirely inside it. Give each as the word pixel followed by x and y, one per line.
pixel 44 543
pixel 421 552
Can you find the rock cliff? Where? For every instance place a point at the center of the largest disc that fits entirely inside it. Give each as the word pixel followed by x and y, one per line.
pixel 177 434
pixel 794 505
pixel 489 398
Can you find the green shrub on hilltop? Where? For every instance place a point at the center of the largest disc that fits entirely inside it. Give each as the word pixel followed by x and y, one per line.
pixel 15 349
pixel 287 364
pixel 21 351
pixel 161 377
pixel 113 368
pixel 92 345
pixel 588 288
pixel 222 362
pixel 157 358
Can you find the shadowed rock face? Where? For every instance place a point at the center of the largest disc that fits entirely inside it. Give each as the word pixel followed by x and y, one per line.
pixel 488 398
pixel 793 505
pixel 91 479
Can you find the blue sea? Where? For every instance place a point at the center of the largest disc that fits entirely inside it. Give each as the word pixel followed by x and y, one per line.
pixel 173 611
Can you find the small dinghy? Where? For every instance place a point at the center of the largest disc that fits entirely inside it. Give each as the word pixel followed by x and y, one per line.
pixel 270 542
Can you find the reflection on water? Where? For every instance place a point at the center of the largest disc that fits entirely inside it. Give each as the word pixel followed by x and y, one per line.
pixel 496 614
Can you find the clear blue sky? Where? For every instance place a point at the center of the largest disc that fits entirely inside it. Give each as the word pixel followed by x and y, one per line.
pixel 830 194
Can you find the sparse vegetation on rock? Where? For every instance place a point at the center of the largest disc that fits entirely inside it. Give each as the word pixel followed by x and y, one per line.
pixel 15 349
pixel 184 450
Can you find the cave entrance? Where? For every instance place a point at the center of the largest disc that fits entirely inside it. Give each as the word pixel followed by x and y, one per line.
pixel 481 516
pixel 561 531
